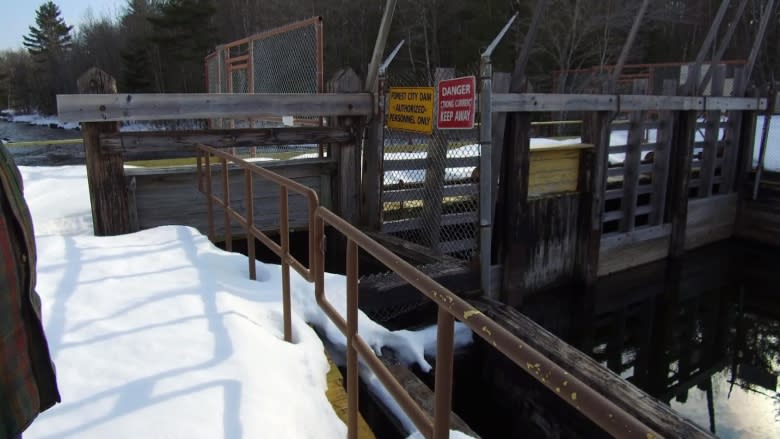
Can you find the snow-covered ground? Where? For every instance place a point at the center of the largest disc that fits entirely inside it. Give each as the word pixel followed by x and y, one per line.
pixel 161 334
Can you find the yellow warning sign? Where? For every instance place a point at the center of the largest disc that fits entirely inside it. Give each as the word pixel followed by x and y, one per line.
pixel 411 109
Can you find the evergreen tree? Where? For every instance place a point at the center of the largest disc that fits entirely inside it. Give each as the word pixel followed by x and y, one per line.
pixel 48 42
pixel 185 34
pixel 138 69
pixel 51 36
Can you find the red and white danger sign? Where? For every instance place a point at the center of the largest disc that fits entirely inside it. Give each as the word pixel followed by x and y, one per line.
pixel 456 103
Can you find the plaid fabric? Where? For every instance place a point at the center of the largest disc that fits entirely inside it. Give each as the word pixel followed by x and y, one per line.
pixel 27 382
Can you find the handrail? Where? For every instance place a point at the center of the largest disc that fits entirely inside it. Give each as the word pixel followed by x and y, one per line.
pixel 576 393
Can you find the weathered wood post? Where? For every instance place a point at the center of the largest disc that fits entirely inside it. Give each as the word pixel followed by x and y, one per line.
pixel 593 175
pixel 346 185
pixel 680 176
pixel 373 164
pixel 105 170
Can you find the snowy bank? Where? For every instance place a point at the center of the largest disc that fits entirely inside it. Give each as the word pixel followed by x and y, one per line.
pixel 161 334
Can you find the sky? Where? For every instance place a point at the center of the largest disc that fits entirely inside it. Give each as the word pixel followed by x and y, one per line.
pixel 18 15
pixel 161 334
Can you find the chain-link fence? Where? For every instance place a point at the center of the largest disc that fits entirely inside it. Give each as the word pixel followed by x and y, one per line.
pixel 431 182
pixel 287 59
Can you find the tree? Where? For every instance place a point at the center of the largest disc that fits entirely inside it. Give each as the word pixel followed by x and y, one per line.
pixel 138 51
pixel 51 36
pixel 48 42
pixel 184 33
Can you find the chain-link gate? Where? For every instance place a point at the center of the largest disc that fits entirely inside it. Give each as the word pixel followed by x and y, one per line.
pixel 431 182
pixel 286 59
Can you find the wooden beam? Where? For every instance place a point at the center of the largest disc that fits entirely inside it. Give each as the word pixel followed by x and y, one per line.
pixel 171 144
pixel 712 136
pixel 124 107
pixel 596 130
pixel 346 190
pixel 632 163
pixel 661 159
pixel 681 153
pixel 651 412
pixel 105 171
pixel 529 102
pixel 766 15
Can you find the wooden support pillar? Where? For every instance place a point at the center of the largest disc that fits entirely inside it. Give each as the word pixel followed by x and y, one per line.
pixel 517 157
pixel 711 137
pixel 105 170
pixel 680 162
pixel 633 160
pixel 596 131
pixel 346 184
pixel 373 166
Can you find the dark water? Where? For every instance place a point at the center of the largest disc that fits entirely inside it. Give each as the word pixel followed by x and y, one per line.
pixel 702 336
pixel 51 155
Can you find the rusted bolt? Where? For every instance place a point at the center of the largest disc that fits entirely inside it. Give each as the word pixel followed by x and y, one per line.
pixel 102 108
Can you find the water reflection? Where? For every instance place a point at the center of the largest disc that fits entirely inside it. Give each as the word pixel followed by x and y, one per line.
pixel 702 335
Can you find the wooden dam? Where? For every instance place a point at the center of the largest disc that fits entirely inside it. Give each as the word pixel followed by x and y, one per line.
pixel 461 227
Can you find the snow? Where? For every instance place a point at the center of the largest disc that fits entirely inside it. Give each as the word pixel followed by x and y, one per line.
pixel 38 119
pixel 161 334
pixel 772 159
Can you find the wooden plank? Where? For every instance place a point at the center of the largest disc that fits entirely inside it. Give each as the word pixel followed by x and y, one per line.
pixel 449 247
pixel 173 198
pixel 623 240
pixel 501 83
pixel 459 190
pixel 417 223
pixel 125 107
pixel 682 151
pixel 373 165
pixel 108 192
pixel 528 102
pixel 164 141
pixel 623 257
pixel 596 131
pixel 513 195
pixel 711 135
pixel 346 184
pixel 632 162
pixel 650 411
pixel 661 159
pixel 710 220
pixel 412 164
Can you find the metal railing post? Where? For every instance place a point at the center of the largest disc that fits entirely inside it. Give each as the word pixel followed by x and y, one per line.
pixel 250 221
pixel 226 201
pixel 352 329
pixel 445 350
pixel 209 197
pixel 284 231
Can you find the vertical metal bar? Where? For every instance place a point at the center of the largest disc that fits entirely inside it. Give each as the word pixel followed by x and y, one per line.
pixel 249 202
pixel 318 237
pixel 284 231
pixel 485 174
pixel 352 329
pixel 209 198
pixel 724 44
pixel 765 17
pixel 445 349
pixel 226 200
pixel 627 46
pixel 199 165
pixel 693 80
pixel 379 46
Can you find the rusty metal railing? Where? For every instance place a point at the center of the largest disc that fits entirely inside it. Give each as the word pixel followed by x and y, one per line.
pixel 579 395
